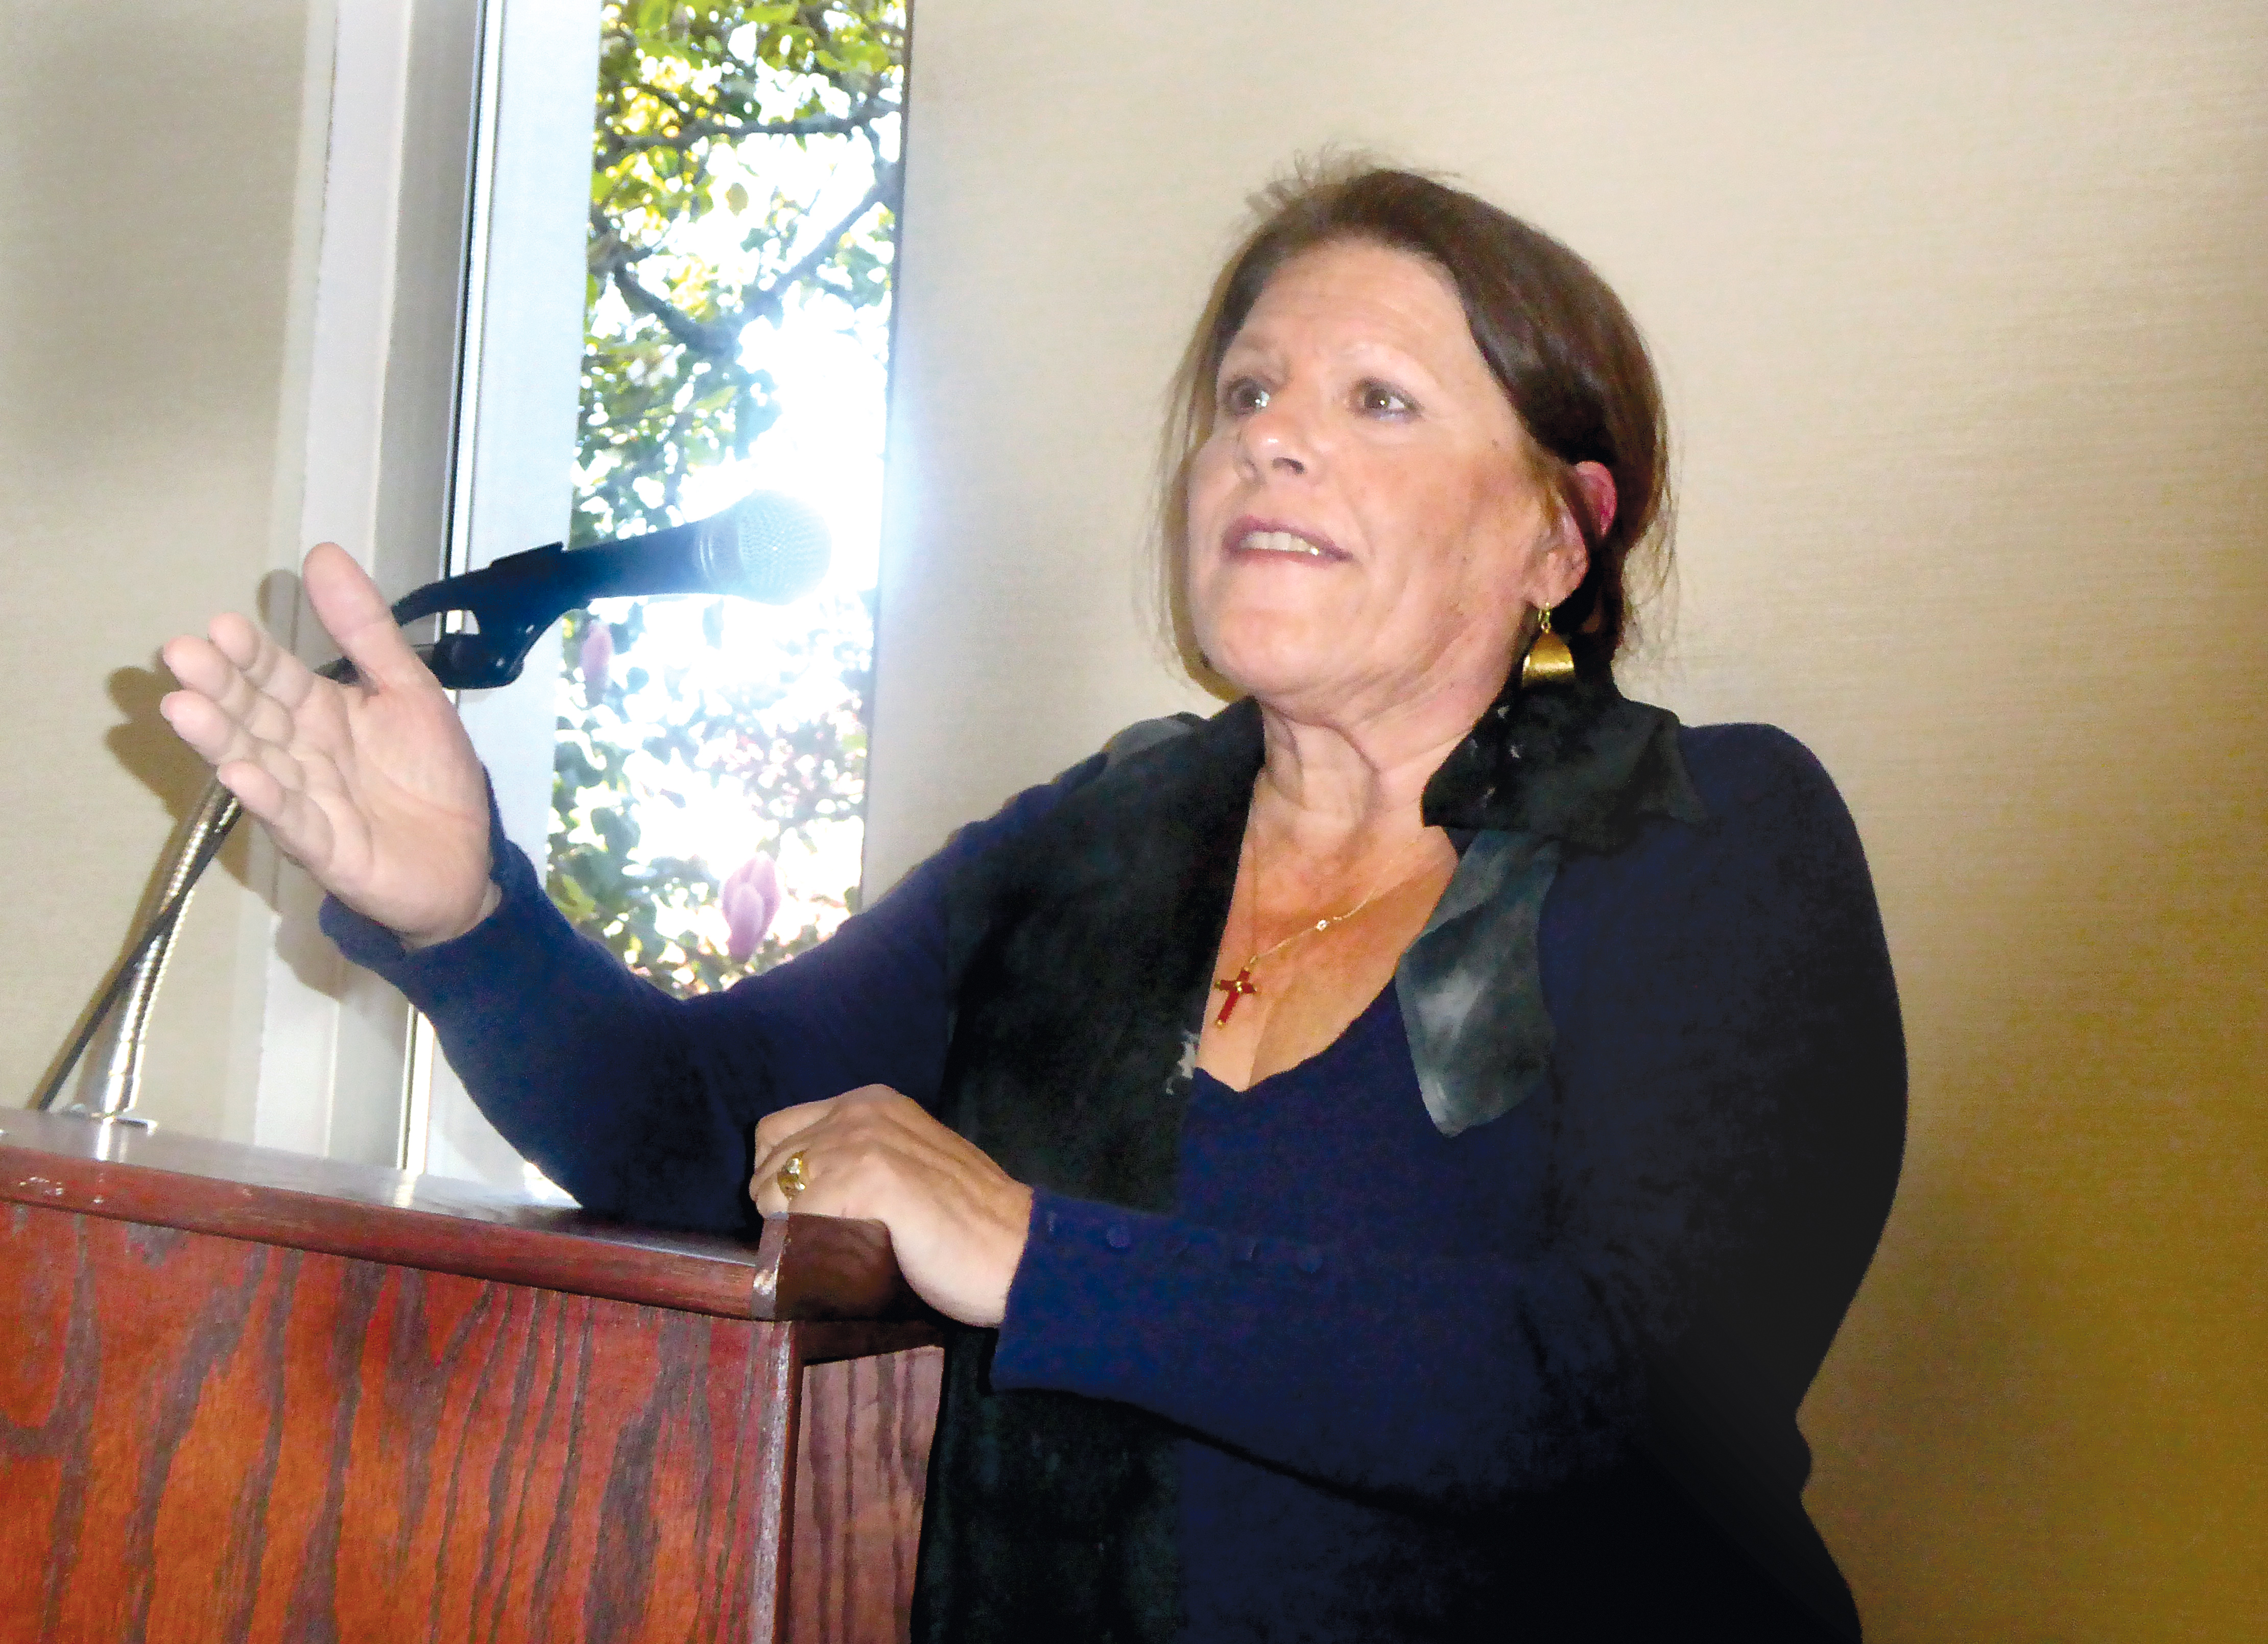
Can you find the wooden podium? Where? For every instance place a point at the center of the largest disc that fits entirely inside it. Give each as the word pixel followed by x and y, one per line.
pixel 246 1395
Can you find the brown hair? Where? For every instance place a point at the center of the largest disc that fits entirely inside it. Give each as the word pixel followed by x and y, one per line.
pixel 1560 342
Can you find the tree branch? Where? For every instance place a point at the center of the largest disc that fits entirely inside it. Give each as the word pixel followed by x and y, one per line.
pixel 716 343
pixel 856 122
pixel 888 181
pixel 610 259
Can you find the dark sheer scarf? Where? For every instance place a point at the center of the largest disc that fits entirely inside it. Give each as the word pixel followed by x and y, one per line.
pixel 1082 958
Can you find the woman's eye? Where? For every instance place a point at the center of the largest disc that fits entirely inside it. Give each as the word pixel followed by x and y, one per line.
pixel 1378 399
pixel 1243 396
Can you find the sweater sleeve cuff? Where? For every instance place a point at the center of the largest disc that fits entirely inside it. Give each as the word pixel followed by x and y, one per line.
pixel 423 973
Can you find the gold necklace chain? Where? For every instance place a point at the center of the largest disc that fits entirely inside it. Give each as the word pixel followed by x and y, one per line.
pixel 1240 984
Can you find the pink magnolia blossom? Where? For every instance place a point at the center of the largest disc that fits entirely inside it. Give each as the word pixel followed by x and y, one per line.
pixel 596 657
pixel 751 897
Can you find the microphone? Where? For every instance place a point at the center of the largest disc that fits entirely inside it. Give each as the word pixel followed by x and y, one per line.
pixel 766 546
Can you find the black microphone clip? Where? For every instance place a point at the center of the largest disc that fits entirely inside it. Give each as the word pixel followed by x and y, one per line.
pixel 507 623
pixel 766 546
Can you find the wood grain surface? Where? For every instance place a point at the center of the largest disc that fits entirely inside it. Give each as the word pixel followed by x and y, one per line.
pixel 223 1440
pixel 864 1462
pixel 804 1266
pixel 829 1268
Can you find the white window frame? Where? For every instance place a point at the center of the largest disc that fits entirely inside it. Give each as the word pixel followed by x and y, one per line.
pixel 430 426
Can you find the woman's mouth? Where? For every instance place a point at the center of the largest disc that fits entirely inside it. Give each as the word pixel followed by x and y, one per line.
pixel 1255 537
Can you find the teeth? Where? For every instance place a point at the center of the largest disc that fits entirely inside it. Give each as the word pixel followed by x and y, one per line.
pixel 1281 542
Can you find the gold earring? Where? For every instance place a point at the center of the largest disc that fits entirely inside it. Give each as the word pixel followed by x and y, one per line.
pixel 1548 661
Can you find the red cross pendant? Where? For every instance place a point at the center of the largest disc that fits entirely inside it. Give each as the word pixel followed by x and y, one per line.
pixel 1236 987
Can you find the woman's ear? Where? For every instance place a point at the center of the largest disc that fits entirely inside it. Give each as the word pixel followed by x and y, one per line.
pixel 1568 559
pixel 1598 488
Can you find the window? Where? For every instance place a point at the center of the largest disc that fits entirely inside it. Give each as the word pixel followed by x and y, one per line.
pixel 701 312
pixel 712 756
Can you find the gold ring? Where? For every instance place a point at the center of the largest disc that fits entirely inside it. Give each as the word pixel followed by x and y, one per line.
pixel 792 1178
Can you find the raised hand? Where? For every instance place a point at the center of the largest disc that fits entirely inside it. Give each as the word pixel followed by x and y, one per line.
pixel 372 788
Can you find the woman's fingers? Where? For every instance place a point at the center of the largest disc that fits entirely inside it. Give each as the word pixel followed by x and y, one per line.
pixel 773 1129
pixel 256 714
pixel 242 643
pixel 780 1137
pixel 356 615
pixel 269 675
pixel 302 827
pixel 956 1218
pixel 268 780
pixel 261 794
pixel 201 665
pixel 245 736
pixel 200 722
pixel 851 1131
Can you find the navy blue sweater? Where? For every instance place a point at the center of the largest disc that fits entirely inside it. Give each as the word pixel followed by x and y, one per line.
pixel 1541 1377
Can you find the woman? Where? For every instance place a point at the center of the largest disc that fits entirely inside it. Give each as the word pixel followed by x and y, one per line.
pixel 1400 1148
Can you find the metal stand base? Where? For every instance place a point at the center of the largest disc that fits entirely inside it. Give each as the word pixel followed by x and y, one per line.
pixel 130 1121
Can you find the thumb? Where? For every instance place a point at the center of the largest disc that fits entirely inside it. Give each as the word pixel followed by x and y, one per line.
pixel 358 618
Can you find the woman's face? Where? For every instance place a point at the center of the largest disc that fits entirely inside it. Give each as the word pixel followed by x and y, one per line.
pixel 1364 532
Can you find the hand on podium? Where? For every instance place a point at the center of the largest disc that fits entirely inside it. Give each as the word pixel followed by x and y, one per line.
pixel 373 787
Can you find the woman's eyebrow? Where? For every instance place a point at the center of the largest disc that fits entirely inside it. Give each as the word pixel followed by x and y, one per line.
pixel 1389 361
pixel 1369 352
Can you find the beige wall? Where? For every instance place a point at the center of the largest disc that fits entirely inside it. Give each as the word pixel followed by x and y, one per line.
pixel 146 279
pixel 223 341
pixel 1965 323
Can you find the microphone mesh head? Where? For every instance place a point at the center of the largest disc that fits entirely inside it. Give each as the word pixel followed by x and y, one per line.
pixel 769 548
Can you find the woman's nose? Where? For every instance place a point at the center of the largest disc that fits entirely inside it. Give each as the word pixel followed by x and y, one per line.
pixel 1274 439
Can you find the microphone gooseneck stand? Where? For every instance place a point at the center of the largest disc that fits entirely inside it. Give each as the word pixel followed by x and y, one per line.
pixel 461 662
pixel 766 547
